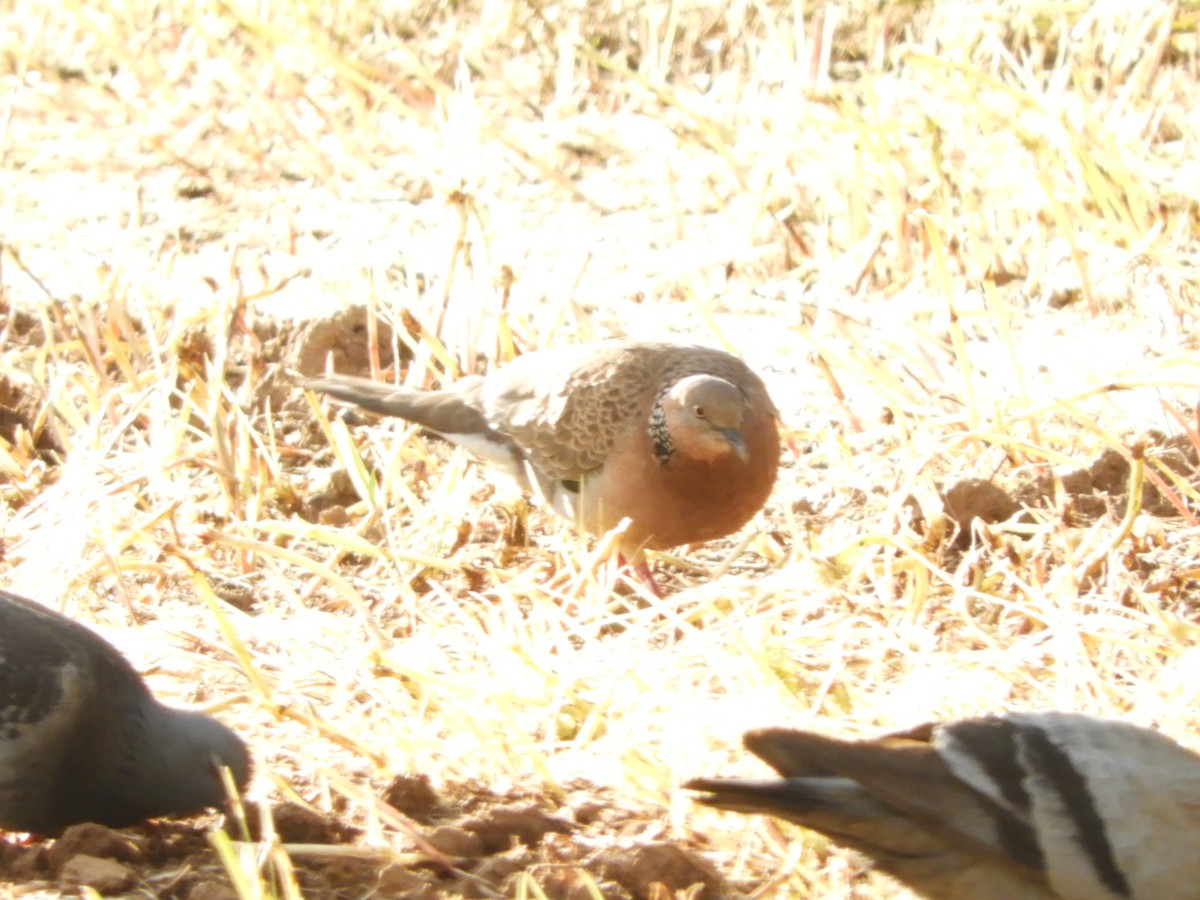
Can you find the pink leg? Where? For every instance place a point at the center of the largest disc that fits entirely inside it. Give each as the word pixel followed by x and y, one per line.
pixel 640 570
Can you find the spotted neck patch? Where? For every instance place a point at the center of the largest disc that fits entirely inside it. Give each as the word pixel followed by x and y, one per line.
pixel 660 435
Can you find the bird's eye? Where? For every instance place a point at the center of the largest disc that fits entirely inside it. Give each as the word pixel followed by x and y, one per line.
pixel 698 412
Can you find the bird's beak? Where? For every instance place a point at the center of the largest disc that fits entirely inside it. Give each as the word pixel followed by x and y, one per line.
pixel 735 441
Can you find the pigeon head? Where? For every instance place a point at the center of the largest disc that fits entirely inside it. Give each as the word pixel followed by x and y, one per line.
pixel 175 768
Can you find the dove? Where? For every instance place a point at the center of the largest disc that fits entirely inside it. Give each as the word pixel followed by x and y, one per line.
pixel 680 440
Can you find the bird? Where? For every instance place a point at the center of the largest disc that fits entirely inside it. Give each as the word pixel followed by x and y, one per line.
pixel 82 739
pixel 681 440
pixel 1041 805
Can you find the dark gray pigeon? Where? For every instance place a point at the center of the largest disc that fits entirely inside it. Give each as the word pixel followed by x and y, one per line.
pixel 83 740
pixel 1036 806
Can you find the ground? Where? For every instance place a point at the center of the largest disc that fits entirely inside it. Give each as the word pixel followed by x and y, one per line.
pixel 957 240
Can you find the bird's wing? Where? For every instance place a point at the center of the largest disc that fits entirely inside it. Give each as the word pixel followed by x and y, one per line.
pixel 571 408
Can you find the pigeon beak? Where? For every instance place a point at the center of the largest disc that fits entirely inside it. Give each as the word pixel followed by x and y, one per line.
pixel 735 441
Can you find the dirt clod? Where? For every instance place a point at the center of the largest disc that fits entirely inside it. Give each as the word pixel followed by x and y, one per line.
pixel 640 869
pixel 974 499
pixel 414 796
pixel 297 824
pixel 498 828
pixel 105 876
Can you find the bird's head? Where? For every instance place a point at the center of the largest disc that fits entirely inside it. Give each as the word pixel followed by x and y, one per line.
pixel 703 416
pixel 183 775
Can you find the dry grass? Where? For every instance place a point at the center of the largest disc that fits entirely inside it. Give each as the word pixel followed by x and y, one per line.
pixel 958 238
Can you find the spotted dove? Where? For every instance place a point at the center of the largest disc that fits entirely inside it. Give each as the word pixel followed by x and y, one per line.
pixel 1024 805
pixel 682 440
pixel 83 740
